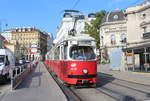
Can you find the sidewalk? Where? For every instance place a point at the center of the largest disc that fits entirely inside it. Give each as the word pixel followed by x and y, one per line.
pixel 38 86
pixel 142 78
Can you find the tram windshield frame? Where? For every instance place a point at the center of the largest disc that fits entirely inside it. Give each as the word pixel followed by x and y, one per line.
pixel 83 53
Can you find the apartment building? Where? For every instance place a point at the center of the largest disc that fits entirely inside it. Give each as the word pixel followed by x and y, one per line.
pixel 26 37
pixel 138 35
pixel 113 37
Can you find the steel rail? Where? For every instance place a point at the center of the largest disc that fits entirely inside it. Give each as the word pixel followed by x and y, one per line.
pixel 107 75
pixel 68 92
pixel 129 87
pixel 116 95
pixel 110 93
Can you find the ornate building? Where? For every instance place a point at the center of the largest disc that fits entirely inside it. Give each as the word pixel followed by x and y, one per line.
pixel 26 37
pixel 49 41
pixel 113 37
pixel 68 23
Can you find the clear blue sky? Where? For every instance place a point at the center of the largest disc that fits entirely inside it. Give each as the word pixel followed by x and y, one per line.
pixel 47 14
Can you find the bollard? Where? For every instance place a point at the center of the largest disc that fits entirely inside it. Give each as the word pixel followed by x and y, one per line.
pixel 16 71
pixel 20 70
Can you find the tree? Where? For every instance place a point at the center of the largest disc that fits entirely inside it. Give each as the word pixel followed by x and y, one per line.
pixel 93 28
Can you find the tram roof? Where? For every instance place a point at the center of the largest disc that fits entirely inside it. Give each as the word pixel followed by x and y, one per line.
pixel 79 37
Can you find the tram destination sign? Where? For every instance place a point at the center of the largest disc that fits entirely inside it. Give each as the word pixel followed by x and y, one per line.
pixel 84 42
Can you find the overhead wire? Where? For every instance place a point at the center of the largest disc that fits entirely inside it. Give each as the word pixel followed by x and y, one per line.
pixel 76 3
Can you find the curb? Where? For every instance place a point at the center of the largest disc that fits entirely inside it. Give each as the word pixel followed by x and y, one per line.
pixel 134 81
pixel 147 83
pixel 139 73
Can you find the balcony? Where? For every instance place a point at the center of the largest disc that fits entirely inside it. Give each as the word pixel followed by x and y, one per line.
pixel 146 35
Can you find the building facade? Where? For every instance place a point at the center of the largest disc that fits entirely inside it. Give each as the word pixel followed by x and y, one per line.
pixel 7 35
pixel 138 34
pixel 113 37
pixel 49 41
pixel 2 39
pixel 68 23
pixel 29 38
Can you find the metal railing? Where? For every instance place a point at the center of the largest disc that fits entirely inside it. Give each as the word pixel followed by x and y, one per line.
pixel 19 73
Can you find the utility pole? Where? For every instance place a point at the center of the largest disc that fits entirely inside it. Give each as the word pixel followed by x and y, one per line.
pixel 6 25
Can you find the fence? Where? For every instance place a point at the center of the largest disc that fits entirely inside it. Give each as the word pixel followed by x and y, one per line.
pixel 19 73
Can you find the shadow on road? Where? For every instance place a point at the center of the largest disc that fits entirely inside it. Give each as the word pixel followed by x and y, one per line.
pixel 33 80
pixel 103 79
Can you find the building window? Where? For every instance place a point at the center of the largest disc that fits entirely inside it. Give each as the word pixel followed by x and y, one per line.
pixel 143 16
pixel 116 17
pixel 123 38
pixel 113 39
pixel 145 29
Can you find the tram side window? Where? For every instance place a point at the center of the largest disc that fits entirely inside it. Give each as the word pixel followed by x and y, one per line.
pixel 62 52
pixel 65 52
pixel 57 53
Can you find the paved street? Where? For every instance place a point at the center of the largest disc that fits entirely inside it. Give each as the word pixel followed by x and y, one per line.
pixel 38 86
pixel 112 89
pixel 4 88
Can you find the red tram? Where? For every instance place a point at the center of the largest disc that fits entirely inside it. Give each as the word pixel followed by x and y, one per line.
pixel 73 60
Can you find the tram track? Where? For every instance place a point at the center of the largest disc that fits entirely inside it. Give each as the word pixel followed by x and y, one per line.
pixel 145 92
pixel 124 88
pixel 74 94
pixel 115 97
pixel 110 76
pixel 69 93
pixel 123 96
pixel 129 84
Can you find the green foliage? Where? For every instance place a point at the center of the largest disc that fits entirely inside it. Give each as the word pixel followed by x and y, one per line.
pixel 105 62
pixel 93 28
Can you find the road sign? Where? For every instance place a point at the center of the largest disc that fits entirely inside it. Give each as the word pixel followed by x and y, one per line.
pixel 130 58
pixel 34 45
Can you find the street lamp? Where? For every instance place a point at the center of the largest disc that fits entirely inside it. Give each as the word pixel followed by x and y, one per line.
pixel 2 20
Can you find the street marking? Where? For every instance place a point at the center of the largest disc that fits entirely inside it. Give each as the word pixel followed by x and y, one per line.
pixel 4 92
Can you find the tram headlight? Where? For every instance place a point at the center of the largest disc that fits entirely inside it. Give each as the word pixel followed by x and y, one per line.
pixel 85 71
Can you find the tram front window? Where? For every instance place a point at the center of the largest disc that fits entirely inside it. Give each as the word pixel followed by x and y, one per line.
pixel 82 53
